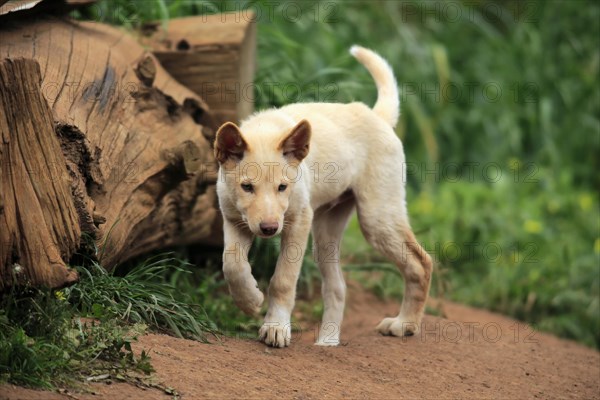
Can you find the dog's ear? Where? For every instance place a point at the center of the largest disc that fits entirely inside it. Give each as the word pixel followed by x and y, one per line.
pixel 229 144
pixel 297 143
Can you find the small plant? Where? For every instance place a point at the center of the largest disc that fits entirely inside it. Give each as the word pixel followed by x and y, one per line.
pixel 54 338
pixel 44 344
pixel 142 295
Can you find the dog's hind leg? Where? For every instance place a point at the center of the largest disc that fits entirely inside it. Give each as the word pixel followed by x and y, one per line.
pixel 384 222
pixel 328 227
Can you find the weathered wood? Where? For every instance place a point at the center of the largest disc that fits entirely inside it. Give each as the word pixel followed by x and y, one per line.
pixel 38 220
pixel 15 6
pixel 214 55
pixel 135 143
pixel 31 7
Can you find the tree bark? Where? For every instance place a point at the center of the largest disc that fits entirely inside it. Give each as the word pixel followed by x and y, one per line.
pixel 38 220
pixel 138 158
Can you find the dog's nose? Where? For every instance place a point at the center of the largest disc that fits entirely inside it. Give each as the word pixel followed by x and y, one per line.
pixel 269 228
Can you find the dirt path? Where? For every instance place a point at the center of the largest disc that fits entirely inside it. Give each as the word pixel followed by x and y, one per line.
pixel 472 354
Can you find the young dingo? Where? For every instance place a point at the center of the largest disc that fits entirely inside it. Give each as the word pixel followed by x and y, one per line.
pixel 306 167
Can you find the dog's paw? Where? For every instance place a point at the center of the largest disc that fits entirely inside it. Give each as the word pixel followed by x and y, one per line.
pixel 245 292
pixel 397 327
pixel 249 300
pixel 276 334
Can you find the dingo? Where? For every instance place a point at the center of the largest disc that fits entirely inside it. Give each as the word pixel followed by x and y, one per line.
pixel 306 167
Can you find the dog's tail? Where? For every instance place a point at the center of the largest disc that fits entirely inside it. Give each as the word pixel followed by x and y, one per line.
pixel 388 100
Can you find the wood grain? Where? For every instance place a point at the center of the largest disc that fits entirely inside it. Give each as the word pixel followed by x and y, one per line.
pixel 135 149
pixel 213 55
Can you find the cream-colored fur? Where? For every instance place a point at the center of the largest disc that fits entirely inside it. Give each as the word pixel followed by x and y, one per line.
pixel 307 167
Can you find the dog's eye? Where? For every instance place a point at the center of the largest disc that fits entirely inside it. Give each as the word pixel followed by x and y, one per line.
pixel 247 187
pixel 282 187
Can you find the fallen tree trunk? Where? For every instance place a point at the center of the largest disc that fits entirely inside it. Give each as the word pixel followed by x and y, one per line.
pixel 137 160
pixel 31 200
pixel 213 55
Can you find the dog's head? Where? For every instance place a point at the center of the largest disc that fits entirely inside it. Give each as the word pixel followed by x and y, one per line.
pixel 259 172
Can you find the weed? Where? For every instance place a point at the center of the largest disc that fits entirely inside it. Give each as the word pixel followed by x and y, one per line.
pixel 141 296
pixel 51 338
pixel 43 344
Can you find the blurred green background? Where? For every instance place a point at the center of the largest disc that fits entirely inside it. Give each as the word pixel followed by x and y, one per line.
pixel 501 126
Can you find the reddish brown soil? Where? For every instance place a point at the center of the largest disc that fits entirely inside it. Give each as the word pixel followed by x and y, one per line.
pixel 471 354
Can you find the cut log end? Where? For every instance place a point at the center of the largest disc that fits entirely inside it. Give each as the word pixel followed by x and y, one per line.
pixel 213 55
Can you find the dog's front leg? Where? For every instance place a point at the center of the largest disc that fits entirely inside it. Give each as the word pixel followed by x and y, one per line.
pixel 276 330
pixel 237 270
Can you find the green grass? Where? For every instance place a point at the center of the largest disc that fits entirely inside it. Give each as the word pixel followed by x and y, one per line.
pixel 535 260
pixel 43 343
pixel 59 338
pixel 140 296
pixel 541 267
pixel 511 86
